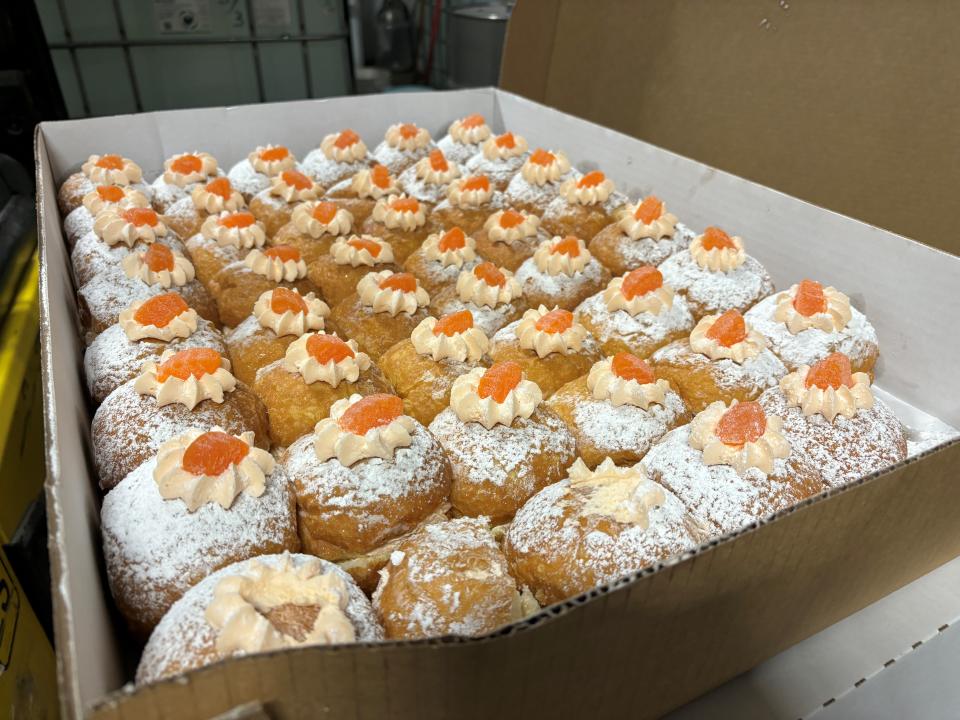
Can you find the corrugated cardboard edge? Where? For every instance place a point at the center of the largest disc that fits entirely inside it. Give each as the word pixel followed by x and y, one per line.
pixel 525 59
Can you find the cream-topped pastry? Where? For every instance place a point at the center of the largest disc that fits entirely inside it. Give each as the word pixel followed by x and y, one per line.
pixel 320 218
pixel 624 494
pixel 286 312
pixel 241 602
pixel 727 336
pixel 374 183
pixel 625 379
pixel 545 166
pixel 639 291
pixel 189 168
pixel 828 388
pixel 399 212
pixel 470 130
pixel 281 263
pixel 111 170
pixel 187 377
pixel 293 186
pixel 128 226
pixel 162 317
pixel 104 196
pixel 550 331
pixel 360 250
pixel 742 436
pixel 344 147
pixel 451 248
pixel 319 357
pixel 470 192
pixel 453 337
pixel 158 265
pixel 211 467
pixel 503 147
pixel 407 137
pixel 217 196
pixel 496 395
pixel 234 229
pixel 810 305
pixel 717 251
pixel 271 160
pixel 594 188
pixel 363 427
pixel 435 169
pixel 648 219
pixel 510 225
pixel 562 256
pixel 488 285
pixel 392 293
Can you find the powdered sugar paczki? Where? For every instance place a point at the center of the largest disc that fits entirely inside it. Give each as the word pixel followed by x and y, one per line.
pixel 647 251
pixel 753 375
pixel 644 328
pixel 716 291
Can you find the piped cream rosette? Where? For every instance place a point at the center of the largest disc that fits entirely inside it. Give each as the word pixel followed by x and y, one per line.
pixel 835 318
pixel 390 300
pixel 299 359
pixel 752 345
pixel 576 192
pixel 363 186
pixel 759 454
pixel 539 173
pixel 406 137
pixel 246 476
pixel 473 289
pixel 504 147
pixel 455 256
pixel 213 203
pixel 653 302
pixel 183 272
pixel 466 402
pixel 335 147
pixel 543 342
pixel 189 391
pixel 95 202
pixel 111 170
pixel 467 131
pixel 829 402
pixel 332 441
pixel 468 192
pixel 115 226
pixel 606 385
pixel 308 219
pixel 623 494
pixel 430 175
pixel 553 262
pixel 182 325
pixel 237 610
pixel 497 232
pixel 394 214
pixel 289 322
pixel 290 192
pixel 359 250
pixel 718 259
pixel 275 268
pixel 241 237
pixel 469 345
pixel 207 168
pixel 278 160
pixel 635 228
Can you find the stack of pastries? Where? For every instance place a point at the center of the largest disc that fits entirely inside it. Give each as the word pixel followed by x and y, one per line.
pixel 427 389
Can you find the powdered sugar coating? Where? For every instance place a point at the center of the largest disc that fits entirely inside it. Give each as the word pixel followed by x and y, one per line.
pixel 524 194
pixel 754 375
pixel 716 292
pixel 499 171
pixel 423 191
pixel 455 151
pixel 92 256
pixel 397 160
pixel 631 254
pixel 643 329
pixel 77 223
pixel 247 181
pixel 560 289
pixel 489 319
pixel 329 172
pixel 166 194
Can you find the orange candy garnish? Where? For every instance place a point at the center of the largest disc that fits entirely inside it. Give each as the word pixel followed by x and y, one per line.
pixel 809 299
pixel 362 243
pixel 285 300
pixel 507 140
pixel 570 246
pixel 220 186
pixel 296 179
pixel 452 239
pixel 212 453
pixel 743 423
pixel 438 162
pixel 193 361
pixel 472 121
pixel 641 281
pixel 406 205
pixel 649 210
pixel 324 212
pixel 831 372
pixel 283 253
pixel 110 162
pixel 499 380
pixel 371 412
pixel 728 329
pixel 476 182
pixel 542 157
pixel 591 179
pixel 408 130
pixel 629 367
pixel 324 348
pixel 714 237
pixel 380 176
pixel 158 258
pixel 139 216
pixel 274 153
pixel 240 219
pixel 110 193
pixel 404 282
pixel 555 321
pixel 490 274
pixel 160 309
pixel 454 323
pixel 346 138
pixel 510 218
pixel 186 164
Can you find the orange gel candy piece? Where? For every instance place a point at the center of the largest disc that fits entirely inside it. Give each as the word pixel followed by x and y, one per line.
pixel 499 380
pixel 641 281
pixel 110 193
pixel 240 219
pixel 831 372
pixel 809 299
pixel 542 157
pixel 285 300
pixel 649 210
pixel 744 422
pixel 193 361
pixel 728 329
pixel 570 245
pixel 158 258
pixel 476 182
pixel 507 140
pixel 380 176
pixel 490 274
pixel 472 121
pixel 438 162
pixel 274 153
pixel 629 367
pixel 454 323
pixel 452 239
pixel 110 162
pixel 406 205
pixel 362 243
pixel 408 130
pixel 371 412
pixel 715 238
pixel 404 282
pixel 555 321
pixel 139 216
pixel 283 253
pixel 510 218
pixel 160 310
pixel 324 212
pixel 220 186
pixel 591 179
pixel 186 164
pixel 346 138
pixel 325 348
pixel 296 179
pixel 212 453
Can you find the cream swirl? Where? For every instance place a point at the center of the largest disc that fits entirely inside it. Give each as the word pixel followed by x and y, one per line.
pixel 437 249
pixel 361 250
pixel 364 185
pixel 476 290
pixel 427 171
pixel 135 267
pixel 181 325
pixel 470 192
pixel 330 440
pixel 111 170
pixel 98 199
pixel 544 167
pixel 466 402
pixel 376 293
pixel 398 212
pixel 636 228
pixel 828 402
pixel 510 226
pixel 471 130
pixel 718 259
pixel 623 494
pixel 553 258
pixel 117 226
pixel 760 453
pixel 226 233
pixel 317 364
pixel 752 344
pixel 189 168
pixel 504 147
pixel 189 391
pixel 467 345
pixel 407 137
pixel 248 476
pixel 293 188
pixel 274 267
pixel 344 147
pixel 604 384
pixel 271 159
pixel 590 189
pixel 653 302
pixel 317 219
pixel 285 321
pixel 833 319
pixel 543 341
pixel 212 202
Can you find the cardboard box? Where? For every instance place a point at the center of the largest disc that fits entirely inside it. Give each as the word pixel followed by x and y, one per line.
pixel 852 106
pixel 636 648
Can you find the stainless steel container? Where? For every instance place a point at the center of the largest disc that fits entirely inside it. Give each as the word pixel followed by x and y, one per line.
pixel 474 44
